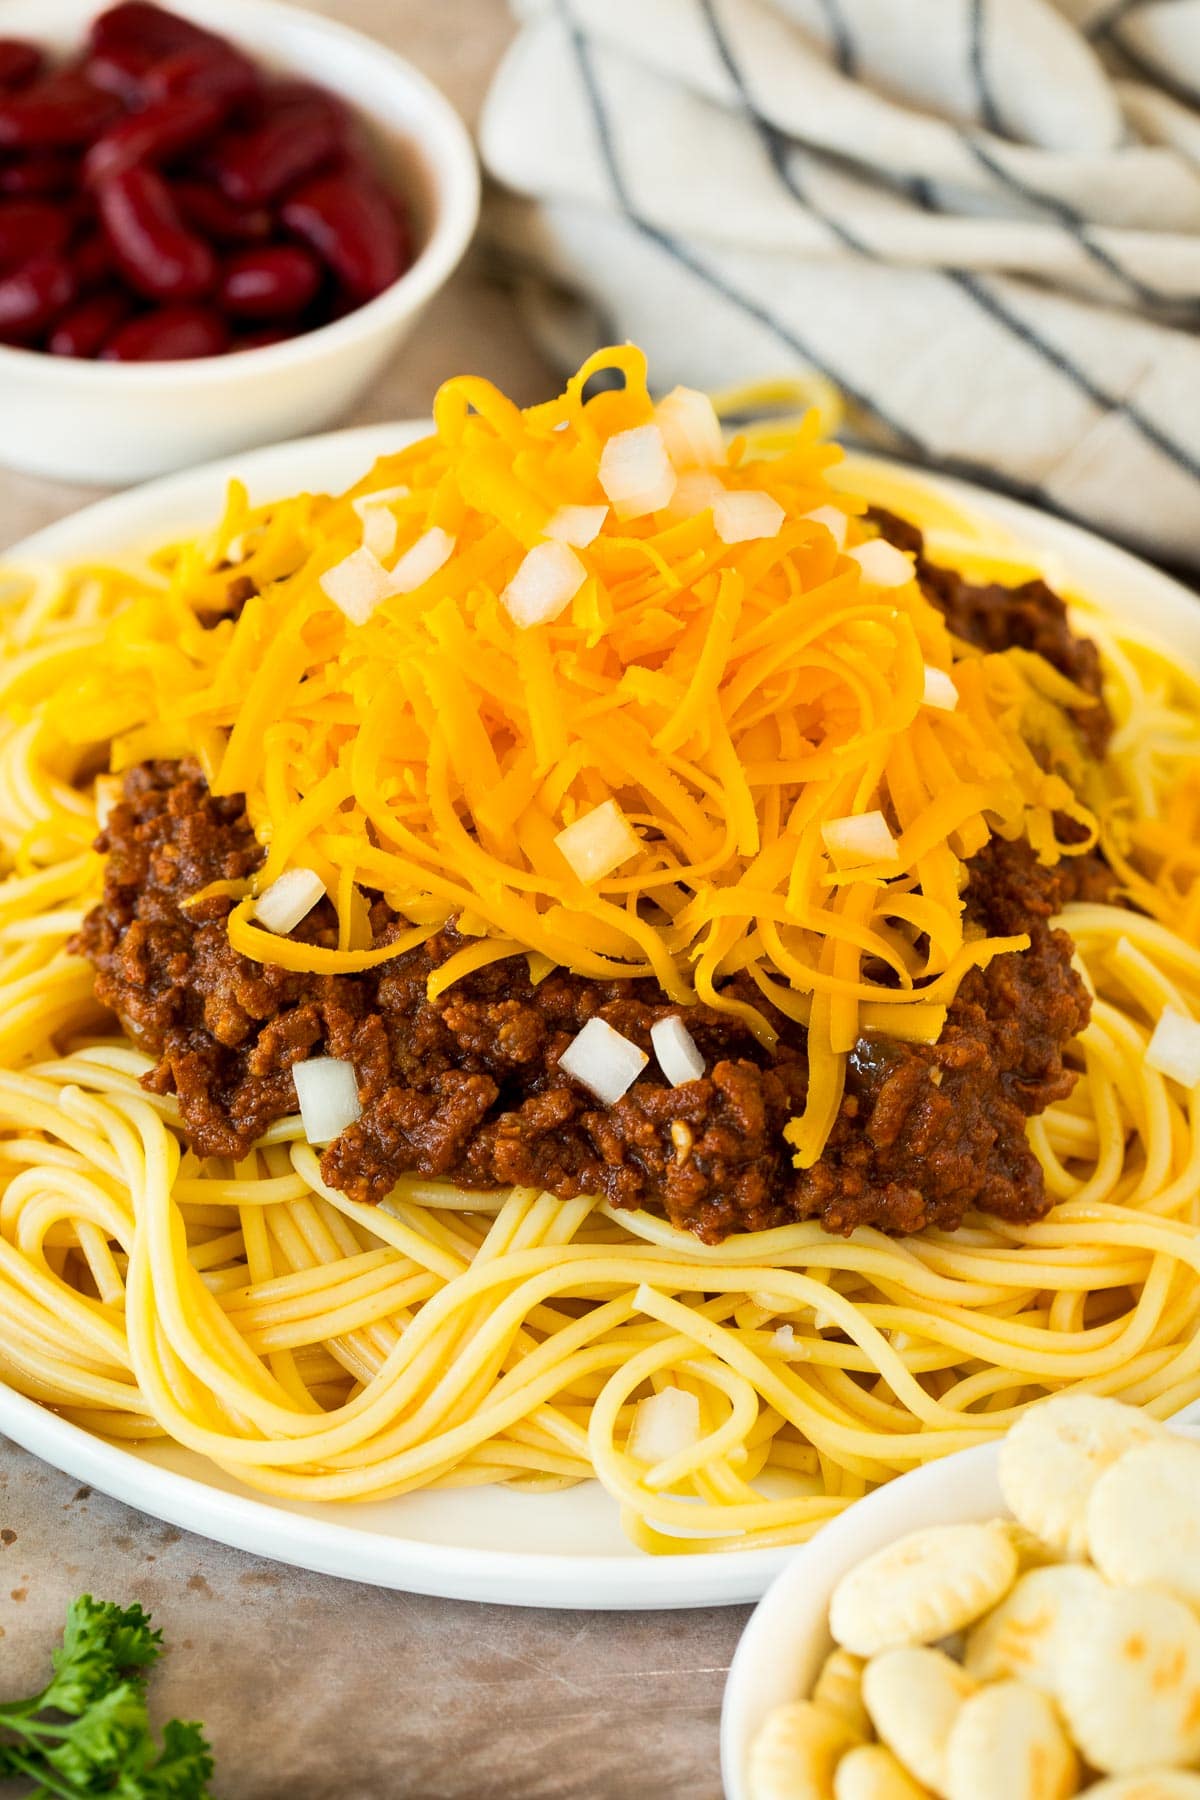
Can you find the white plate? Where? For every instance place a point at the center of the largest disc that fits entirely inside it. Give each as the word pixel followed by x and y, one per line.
pixel 563 1549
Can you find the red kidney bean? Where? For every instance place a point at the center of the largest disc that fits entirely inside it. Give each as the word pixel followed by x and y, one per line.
pixel 208 211
pixel 351 224
pixel 255 166
pixel 294 92
pixel 152 28
pixel 92 260
pixel 159 256
pixel 30 228
pixel 121 70
pixel 39 175
pixel 32 297
pixel 57 114
pixel 264 338
pixel 207 72
pixel 169 334
pixel 84 328
pixel 272 283
pixel 155 135
pixel 20 63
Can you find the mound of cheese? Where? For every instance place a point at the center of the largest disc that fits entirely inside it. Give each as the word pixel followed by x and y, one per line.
pixel 611 695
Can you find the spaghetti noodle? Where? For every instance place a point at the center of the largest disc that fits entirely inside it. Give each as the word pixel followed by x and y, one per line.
pixel 322 1349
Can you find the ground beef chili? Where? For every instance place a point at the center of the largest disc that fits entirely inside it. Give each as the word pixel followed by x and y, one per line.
pixel 994 617
pixel 468 1087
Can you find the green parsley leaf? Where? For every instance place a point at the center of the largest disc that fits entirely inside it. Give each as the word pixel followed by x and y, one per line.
pixel 102 1644
pixel 180 1772
pixel 88 1733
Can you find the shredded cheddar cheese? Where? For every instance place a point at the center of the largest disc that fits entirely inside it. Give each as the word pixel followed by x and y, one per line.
pixel 729 700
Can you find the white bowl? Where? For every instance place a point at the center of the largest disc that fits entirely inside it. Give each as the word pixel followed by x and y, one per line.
pixel 788 1635
pixel 121 422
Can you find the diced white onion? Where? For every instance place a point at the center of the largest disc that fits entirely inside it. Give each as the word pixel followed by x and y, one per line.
pixel 599 842
pixel 940 691
pixel 833 520
pixel 1174 1050
pixel 603 1061
pixel 675 1048
pixel 785 1337
pixel 365 503
pixel 882 563
pixel 746 513
pixel 856 841
pixel 664 1424
pixel 423 559
pixel 107 793
pixel 547 581
pixel 379 530
pixel 327 1090
pixel 691 429
pixel 578 525
pixel 289 899
pixel 636 472
pixel 696 491
pixel 357 585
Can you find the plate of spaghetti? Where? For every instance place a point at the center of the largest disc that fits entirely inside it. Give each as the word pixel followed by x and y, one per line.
pixel 577 992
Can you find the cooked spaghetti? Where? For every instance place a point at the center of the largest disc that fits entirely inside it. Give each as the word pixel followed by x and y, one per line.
pixel 562 720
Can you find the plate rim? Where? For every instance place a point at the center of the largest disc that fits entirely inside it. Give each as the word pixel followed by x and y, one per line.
pixel 334 1546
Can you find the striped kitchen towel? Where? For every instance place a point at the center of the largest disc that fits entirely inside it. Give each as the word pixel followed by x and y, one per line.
pixel 980 218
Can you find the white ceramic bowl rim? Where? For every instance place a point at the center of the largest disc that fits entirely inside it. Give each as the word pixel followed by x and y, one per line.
pixel 452 223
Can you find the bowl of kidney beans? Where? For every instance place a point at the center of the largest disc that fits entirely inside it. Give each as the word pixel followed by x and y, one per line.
pixel 216 223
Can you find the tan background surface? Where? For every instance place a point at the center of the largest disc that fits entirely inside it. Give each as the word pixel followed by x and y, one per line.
pixel 312 1688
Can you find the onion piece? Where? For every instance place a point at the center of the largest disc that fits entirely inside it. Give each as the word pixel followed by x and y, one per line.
pixel 422 560
pixel 697 491
pixel 745 513
pixel 289 899
pixel 578 525
pixel 854 842
pixel 357 585
pixel 106 793
pixel 939 691
pixel 1174 1049
pixel 882 563
pixel 833 519
pixel 784 1338
pixel 547 581
pixel 636 472
pixel 365 503
pixel 379 530
pixel 603 1061
pixel 327 1090
pixel 663 1425
pixel 676 1050
pixel 691 429
pixel 598 842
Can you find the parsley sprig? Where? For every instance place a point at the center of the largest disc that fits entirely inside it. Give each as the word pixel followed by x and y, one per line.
pixel 88 1732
